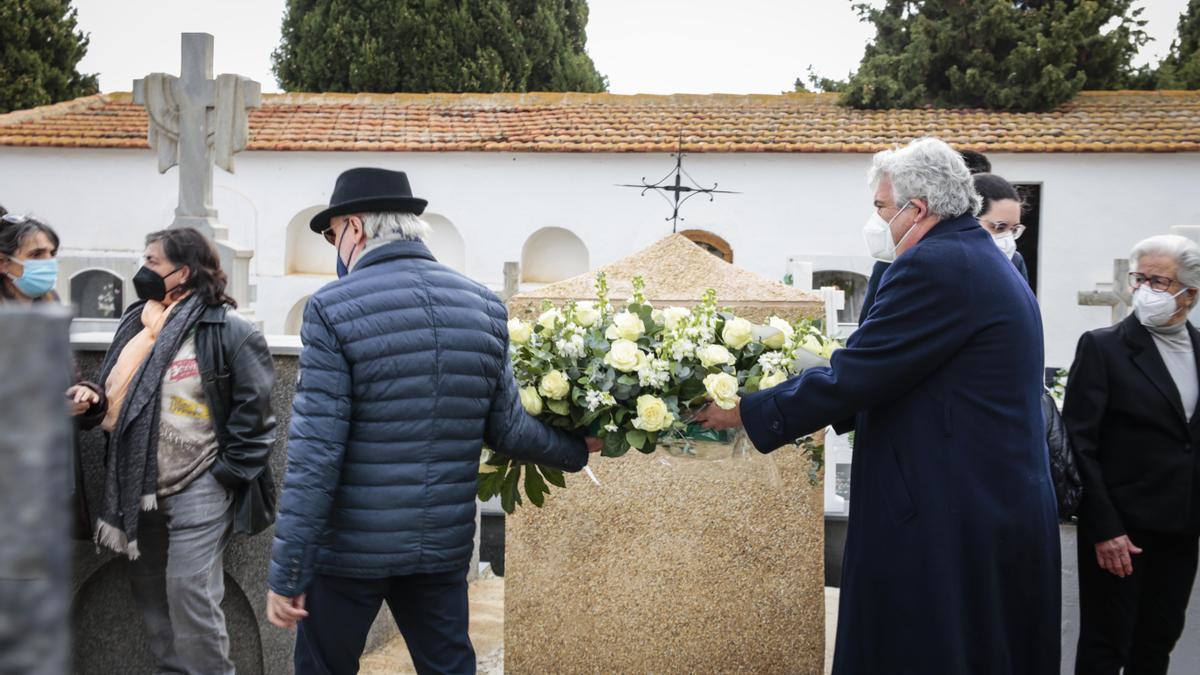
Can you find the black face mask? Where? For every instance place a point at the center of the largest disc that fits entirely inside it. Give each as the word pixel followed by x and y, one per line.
pixel 150 286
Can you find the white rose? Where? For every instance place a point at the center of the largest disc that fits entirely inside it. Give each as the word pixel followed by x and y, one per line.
pixel 624 356
pixel 776 378
pixel 673 316
pixel 723 389
pixel 531 401
pixel 550 318
pixel 554 385
pixel 519 331
pixel 626 326
pixel 777 340
pixel 652 414
pixel 830 348
pixel 737 333
pixel 714 355
pixel 586 314
pixel 812 345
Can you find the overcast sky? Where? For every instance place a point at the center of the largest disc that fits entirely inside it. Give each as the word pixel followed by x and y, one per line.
pixel 643 46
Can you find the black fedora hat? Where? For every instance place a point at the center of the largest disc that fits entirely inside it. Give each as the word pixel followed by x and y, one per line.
pixel 368 190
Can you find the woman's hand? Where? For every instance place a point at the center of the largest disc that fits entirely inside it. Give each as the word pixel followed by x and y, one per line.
pixel 81 398
pixel 1115 555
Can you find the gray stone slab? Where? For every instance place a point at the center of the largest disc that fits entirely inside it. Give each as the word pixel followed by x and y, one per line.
pixel 35 480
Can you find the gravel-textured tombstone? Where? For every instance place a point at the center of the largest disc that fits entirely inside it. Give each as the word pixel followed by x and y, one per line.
pixel 672 565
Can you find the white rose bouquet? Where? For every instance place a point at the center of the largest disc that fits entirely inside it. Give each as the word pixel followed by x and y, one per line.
pixel 634 378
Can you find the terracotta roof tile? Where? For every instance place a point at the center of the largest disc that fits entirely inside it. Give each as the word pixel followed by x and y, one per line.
pixel 1164 121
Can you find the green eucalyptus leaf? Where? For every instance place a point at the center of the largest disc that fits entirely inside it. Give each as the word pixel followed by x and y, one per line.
pixel 554 476
pixel 508 493
pixel 535 487
pixel 614 445
pixel 636 438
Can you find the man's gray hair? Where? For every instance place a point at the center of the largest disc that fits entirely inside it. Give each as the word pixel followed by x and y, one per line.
pixel 395 226
pixel 928 169
pixel 1182 250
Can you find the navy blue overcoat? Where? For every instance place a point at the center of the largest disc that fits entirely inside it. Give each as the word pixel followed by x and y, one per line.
pixel 952 555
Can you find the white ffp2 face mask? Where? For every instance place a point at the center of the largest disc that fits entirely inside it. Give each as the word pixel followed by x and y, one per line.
pixel 1007 243
pixel 1155 308
pixel 878 235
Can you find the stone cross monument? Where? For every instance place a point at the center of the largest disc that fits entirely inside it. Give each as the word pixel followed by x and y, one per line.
pixel 1115 294
pixel 194 122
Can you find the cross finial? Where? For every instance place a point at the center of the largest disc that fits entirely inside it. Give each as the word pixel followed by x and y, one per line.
pixel 677 188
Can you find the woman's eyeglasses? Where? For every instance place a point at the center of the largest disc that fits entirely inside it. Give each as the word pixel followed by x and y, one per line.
pixel 1001 227
pixel 1137 280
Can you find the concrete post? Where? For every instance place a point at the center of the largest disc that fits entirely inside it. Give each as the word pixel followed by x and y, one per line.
pixel 35 484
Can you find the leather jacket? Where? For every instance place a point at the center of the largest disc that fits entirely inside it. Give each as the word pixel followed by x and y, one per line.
pixel 238 376
pixel 1068 486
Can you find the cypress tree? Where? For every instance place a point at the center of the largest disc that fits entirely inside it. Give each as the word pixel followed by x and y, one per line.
pixel 435 46
pixel 39 51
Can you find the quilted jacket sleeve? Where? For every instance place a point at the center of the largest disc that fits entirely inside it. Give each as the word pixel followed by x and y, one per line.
pixel 317 439
pixel 514 432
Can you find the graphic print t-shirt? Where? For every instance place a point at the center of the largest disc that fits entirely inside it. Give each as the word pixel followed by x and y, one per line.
pixel 187 442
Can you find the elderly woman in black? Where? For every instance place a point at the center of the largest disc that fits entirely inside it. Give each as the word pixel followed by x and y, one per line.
pixel 1131 413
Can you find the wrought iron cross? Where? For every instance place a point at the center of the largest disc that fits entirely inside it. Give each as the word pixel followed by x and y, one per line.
pixel 681 192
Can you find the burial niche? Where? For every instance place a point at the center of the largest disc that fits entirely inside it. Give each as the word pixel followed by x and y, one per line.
pixel 99 294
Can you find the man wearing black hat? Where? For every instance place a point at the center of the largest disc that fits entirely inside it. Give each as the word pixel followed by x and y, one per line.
pixel 403 378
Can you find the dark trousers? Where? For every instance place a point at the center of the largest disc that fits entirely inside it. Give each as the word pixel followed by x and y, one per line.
pixel 430 610
pixel 1134 622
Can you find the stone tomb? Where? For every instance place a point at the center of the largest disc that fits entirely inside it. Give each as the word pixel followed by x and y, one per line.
pixel 669 564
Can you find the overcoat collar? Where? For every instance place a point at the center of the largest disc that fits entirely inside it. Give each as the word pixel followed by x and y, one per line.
pixel 1145 355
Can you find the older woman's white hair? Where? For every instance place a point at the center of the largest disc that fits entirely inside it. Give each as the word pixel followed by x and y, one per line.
pixel 1182 250
pixel 395 226
pixel 928 169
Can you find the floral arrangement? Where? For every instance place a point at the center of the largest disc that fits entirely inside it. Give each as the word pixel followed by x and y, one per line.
pixel 634 378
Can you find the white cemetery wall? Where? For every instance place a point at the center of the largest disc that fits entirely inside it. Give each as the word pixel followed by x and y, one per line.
pixel 1094 209
pixel 812 207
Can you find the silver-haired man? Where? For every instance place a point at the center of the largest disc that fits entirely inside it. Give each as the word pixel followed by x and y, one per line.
pixel 952 555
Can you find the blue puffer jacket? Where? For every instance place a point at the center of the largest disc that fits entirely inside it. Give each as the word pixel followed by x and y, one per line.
pixel 404 376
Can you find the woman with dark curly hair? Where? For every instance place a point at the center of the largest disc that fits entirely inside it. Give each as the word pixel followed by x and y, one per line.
pixel 190 430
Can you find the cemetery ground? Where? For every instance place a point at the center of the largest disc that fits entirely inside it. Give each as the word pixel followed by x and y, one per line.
pixel 487 633
pixel 487 625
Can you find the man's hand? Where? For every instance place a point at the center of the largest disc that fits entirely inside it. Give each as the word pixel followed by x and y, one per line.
pixel 81 398
pixel 285 612
pixel 715 417
pixel 594 444
pixel 1114 555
